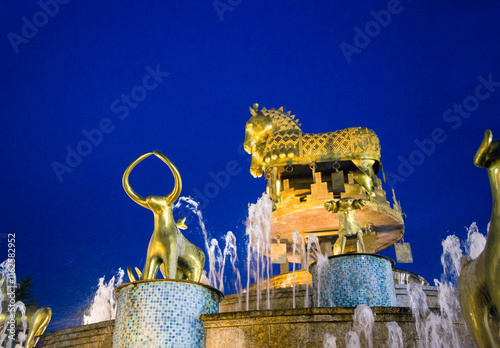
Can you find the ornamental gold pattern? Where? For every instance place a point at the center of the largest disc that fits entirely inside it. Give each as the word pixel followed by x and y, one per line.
pixel 275 139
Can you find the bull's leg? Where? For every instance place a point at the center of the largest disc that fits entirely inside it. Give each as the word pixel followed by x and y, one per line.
pixel 171 258
pixel 152 267
pixel 256 165
pixel 194 260
pixel 197 268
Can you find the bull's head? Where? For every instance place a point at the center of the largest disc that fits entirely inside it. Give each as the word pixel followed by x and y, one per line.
pixel 257 130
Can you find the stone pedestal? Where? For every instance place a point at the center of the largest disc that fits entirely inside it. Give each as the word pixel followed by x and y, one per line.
pixel 352 279
pixel 163 313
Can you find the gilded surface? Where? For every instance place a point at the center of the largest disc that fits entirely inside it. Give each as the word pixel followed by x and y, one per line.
pixel 479 283
pixel 275 139
pixel 168 248
pixel 37 320
pixel 348 224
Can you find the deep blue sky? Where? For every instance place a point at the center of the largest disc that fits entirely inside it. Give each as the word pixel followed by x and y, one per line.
pixel 65 78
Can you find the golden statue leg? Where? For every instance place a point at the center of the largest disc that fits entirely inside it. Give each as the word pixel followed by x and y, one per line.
pixel 479 282
pixel 38 323
pixel 152 267
pixel 344 238
pixel 361 242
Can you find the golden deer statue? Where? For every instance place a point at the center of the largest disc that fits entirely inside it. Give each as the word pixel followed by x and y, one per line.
pixel 479 282
pixel 167 248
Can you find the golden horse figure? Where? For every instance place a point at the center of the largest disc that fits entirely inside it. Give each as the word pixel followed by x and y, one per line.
pixel 168 248
pixel 274 138
pixel 479 282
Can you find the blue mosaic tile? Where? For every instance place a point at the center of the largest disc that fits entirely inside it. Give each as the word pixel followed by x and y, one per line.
pixel 354 279
pixel 163 314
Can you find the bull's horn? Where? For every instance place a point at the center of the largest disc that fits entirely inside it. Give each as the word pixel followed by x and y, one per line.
pixel 252 111
pixel 482 155
pixel 176 192
pixel 126 185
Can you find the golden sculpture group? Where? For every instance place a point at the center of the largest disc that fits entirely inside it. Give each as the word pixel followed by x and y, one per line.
pixel 276 143
pixel 479 283
pixel 168 248
pixel 275 140
pixel 305 171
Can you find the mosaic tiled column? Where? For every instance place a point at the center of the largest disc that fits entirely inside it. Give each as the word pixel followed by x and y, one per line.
pixel 163 313
pixel 354 279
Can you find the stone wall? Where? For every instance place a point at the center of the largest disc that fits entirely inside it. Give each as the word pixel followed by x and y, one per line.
pixel 99 335
pixel 306 327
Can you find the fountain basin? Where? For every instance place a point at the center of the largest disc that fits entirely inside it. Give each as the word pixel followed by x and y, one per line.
pixel 163 313
pixel 306 327
pixel 352 279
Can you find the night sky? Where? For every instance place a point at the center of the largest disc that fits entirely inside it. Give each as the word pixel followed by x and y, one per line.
pixel 180 76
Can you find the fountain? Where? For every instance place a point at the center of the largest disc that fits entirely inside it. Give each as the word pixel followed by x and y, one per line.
pixel 329 208
pixel 325 210
pixel 21 326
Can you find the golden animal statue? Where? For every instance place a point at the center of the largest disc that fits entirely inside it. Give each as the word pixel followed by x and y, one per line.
pixel 167 248
pixel 479 282
pixel 37 320
pixel 348 224
pixel 274 139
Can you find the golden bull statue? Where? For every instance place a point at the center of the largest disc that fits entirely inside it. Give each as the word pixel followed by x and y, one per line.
pixel 348 224
pixel 479 282
pixel 168 248
pixel 275 139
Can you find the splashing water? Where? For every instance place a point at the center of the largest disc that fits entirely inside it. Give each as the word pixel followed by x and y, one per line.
pixel 313 250
pixel 329 341
pixel 363 320
pixel 232 251
pixel 7 278
pixel 193 206
pixel 297 243
pixel 258 229
pixel 476 241
pixel 216 265
pixel 216 257
pixel 321 263
pixel 434 330
pixel 419 309
pixel 352 340
pixel 103 305
pixel 452 254
pixel 394 335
